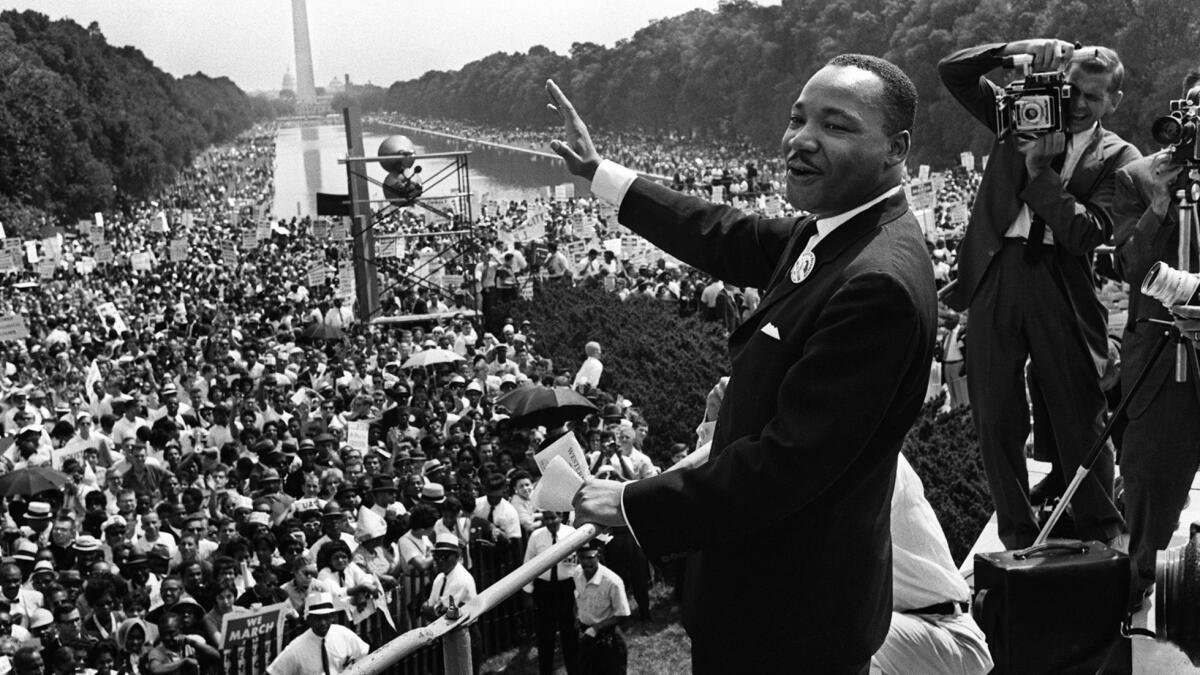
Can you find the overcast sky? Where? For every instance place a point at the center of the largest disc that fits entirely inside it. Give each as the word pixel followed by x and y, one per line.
pixel 250 41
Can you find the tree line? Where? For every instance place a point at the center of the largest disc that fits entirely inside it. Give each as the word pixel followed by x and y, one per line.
pixel 85 125
pixel 733 73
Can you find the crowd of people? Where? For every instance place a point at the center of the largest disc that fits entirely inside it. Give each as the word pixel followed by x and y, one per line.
pixel 169 367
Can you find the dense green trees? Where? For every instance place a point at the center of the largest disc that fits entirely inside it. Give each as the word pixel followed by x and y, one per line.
pixel 733 73
pixel 83 122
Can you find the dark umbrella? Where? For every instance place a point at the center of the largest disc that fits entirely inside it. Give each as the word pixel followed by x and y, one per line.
pixel 31 481
pixel 545 406
pixel 323 331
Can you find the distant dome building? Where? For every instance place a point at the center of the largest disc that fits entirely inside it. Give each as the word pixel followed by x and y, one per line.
pixel 336 85
pixel 289 82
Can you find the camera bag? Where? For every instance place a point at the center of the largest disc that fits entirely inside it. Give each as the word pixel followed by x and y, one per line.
pixel 1054 607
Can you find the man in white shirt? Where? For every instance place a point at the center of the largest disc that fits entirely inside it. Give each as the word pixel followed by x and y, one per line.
pixel 323 649
pixel 494 508
pixel 452 588
pixel 600 595
pixel 932 630
pixel 553 596
pixel 592 368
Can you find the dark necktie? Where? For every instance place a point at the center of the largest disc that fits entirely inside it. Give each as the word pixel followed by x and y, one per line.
pixel 442 590
pixel 324 658
pixel 1037 226
pixel 554 569
pixel 492 514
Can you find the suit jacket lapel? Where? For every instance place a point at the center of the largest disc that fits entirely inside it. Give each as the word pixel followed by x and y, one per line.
pixel 831 247
pixel 1089 167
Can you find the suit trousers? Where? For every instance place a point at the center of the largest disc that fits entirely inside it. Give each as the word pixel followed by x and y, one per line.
pixel 1160 458
pixel 1021 312
pixel 554 603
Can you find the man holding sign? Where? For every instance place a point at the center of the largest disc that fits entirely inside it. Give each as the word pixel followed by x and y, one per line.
pixel 805 448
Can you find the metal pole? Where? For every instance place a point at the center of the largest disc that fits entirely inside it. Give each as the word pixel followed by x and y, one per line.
pixel 361 232
pixel 456 652
pixel 391 653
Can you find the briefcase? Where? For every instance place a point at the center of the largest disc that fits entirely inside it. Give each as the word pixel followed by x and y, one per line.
pixel 1053 608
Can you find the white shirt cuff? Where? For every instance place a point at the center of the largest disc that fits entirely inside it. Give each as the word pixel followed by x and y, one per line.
pixel 612 181
pixel 623 514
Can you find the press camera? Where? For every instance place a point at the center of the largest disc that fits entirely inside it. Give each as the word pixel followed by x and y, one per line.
pixel 1037 103
pixel 1177 129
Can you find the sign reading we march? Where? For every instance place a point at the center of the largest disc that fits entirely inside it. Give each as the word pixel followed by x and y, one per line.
pixel 240 628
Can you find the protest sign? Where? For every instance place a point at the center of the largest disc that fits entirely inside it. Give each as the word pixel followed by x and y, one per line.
pixel 249 240
pixel 921 196
pixel 60 455
pixel 140 261
pixel 235 219
pixel 7 262
pixel 188 220
pixel 228 254
pixel 356 434
pixel 159 223
pixel 104 254
pixel 46 269
pixel 923 172
pixel 239 628
pixel 338 232
pixel 320 229
pixel 385 246
pixel 179 249
pixel 316 275
pixel 959 213
pixel 263 232
pixel 108 309
pixel 12 328
pixel 968 160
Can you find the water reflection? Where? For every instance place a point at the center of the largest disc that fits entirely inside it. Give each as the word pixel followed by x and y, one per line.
pixel 309 137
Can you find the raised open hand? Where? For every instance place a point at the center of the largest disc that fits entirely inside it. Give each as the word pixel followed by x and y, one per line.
pixel 578 152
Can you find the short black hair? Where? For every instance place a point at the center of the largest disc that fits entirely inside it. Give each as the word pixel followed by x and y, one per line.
pixel 899 93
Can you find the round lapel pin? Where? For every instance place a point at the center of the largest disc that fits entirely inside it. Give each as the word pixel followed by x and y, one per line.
pixel 803 267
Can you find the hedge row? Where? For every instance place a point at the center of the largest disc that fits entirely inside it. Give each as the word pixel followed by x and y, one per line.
pixel 666 364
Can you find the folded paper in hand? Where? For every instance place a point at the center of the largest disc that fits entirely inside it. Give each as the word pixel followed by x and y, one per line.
pixel 564 468
pixel 557 488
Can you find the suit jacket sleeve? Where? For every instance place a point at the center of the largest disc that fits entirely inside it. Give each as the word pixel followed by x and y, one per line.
pixel 818 435
pixel 963 74
pixel 733 246
pixel 1137 229
pixel 1079 226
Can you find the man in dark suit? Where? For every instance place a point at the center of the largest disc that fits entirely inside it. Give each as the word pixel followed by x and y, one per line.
pixel 1025 272
pixel 788 522
pixel 1161 453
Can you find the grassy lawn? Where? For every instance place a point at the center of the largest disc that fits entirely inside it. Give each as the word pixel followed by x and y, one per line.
pixel 658 647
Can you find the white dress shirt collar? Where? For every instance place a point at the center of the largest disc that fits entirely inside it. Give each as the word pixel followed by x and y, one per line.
pixel 831 223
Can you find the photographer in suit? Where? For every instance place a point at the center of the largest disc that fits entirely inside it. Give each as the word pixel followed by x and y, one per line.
pixel 1025 272
pixel 1160 454
pixel 804 450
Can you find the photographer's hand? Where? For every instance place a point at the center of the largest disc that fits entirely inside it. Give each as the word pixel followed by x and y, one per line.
pixel 578 152
pixel 1187 320
pixel 1163 171
pixel 1048 53
pixel 1040 150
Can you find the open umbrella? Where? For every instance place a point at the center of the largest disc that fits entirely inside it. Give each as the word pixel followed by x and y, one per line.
pixel 545 406
pixel 323 331
pixel 429 357
pixel 31 481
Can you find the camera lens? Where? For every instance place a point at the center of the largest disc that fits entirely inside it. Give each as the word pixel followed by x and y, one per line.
pixel 1177 596
pixel 1031 113
pixel 1167 130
